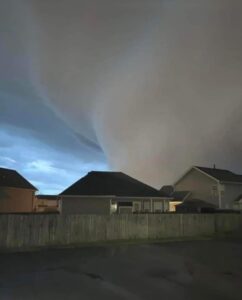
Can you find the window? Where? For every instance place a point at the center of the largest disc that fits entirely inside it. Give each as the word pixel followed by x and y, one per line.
pixel 222 187
pixel 146 206
pixel 158 207
pixel 214 190
pixel 166 206
pixel 136 206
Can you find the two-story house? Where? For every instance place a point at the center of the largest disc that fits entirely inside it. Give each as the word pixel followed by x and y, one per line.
pixel 216 186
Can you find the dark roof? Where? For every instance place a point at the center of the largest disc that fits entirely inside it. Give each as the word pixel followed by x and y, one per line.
pixel 167 189
pixel 48 197
pixel 180 195
pixel 196 203
pixel 222 175
pixel 237 199
pixel 111 183
pixel 11 178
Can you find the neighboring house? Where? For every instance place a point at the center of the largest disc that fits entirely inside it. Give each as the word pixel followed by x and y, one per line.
pixel 176 198
pixel 16 193
pixel 238 203
pixel 47 203
pixel 215 186
pixel 195 206
pixel 112 192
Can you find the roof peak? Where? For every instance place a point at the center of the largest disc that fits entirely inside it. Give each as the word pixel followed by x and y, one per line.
pixel 12 178
pixel 111 183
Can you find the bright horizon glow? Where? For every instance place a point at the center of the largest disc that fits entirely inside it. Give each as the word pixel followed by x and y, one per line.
pixel 48 169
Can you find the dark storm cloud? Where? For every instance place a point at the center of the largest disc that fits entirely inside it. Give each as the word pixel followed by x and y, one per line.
pixel 40 122
pixel 33 138
pixel 22 104
pixel 157 84
pixel 38 144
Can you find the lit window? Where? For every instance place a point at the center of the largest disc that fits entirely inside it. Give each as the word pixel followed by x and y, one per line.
pixel 114 208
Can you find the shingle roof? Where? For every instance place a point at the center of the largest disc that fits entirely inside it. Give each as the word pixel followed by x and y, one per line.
pixel 167 189
pixel 196 203
pixel 237 199
pixel 180 195
pixel 11 178
pixel 222 175
pixel 111 183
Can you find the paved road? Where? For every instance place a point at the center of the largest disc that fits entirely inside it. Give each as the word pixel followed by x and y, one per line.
pixel 178 270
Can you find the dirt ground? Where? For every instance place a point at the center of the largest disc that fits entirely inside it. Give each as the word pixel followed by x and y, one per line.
pixel 210 269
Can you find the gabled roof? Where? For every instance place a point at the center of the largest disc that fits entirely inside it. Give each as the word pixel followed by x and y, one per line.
pixel 111 184
pixel 11 178
pixel 221 174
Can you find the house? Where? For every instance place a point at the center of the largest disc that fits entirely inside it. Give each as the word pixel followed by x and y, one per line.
pixel 111 193
pixel 16 193
pixel 238 203
pixel 176 198
pixel 47 203
pixel 215 186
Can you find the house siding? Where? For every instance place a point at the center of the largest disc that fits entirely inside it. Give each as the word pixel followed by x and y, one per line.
pixel 164 203
pixel 101 205
pixel 16 200
pixel 237 205
pixel 46 205
pixel 231 192
pixel 85 205
pixel 200 186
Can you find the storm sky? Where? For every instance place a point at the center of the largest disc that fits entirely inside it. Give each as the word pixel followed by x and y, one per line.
pixel 146 87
